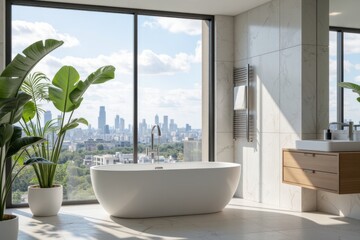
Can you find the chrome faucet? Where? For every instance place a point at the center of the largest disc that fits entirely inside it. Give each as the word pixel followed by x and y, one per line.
pixel 152 134
pixel 350 126
pixel 154 151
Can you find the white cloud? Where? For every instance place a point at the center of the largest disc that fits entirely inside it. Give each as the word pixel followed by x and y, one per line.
pixel 176 25
pixel 351 43
pixel 24 33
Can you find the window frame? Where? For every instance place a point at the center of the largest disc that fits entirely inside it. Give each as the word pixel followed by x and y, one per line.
pixel 340 66
pixel 135 13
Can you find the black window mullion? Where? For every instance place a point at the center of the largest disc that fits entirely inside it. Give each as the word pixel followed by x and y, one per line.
pixel 340 76
pixel 135 109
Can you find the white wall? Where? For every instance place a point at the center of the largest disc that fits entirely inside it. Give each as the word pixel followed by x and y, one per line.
pixel 279 39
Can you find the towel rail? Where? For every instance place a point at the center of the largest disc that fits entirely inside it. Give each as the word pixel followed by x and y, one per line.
pixel 243 120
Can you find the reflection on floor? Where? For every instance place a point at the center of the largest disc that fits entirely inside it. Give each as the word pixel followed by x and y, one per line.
pixel 240 220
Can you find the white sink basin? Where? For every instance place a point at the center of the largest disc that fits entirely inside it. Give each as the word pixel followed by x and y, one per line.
pixel 328 145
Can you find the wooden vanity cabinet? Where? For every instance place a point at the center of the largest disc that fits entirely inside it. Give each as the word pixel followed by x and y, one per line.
pixel 337 172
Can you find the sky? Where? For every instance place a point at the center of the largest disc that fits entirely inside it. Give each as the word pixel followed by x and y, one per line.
pixel 351 74
pixel 169 61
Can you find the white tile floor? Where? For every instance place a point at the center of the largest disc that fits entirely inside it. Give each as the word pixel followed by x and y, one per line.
pixel 240 220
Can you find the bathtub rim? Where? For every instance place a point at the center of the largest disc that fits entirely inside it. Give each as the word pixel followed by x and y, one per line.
pixel 151 166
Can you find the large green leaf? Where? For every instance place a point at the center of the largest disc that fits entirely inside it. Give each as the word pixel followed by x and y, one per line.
pixel 9 86
pixel 38 160
pixel 6 132
pixel 22 98
pixel 63 84
pixel 73 124
pixel 22 143
pixel 354 87
pixel 16 134
pixel 13 105
pixel 101 75
pixel 21 65
pixel 29 111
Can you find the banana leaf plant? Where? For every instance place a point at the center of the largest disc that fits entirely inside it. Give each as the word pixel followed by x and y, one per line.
pixel 354 87
pixel 65 91
pixel 12 102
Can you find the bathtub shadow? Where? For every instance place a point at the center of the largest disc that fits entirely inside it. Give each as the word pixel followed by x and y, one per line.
pixel 231 223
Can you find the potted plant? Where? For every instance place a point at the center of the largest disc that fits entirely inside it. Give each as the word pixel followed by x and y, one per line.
pixel 65 92
pixel 12 102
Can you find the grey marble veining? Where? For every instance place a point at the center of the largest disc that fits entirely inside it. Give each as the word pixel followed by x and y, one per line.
pixel 224 43
pixel 309 21
pixel 263 29
pixel 224 147
pixel 343 205
pixel 290 90
pixel 241 33
pixel 308 89
pixel 224 97
pixel 290 23
pixel 322 88
pixel 266 75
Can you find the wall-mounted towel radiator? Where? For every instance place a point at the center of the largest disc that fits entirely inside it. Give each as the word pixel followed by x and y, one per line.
pixel 243 112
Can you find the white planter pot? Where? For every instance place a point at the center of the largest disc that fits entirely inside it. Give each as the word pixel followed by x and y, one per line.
pixel 45 202
pixel 9 229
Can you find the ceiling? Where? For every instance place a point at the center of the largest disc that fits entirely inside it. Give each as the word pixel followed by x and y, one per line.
pixel 209 7
pixel 349 13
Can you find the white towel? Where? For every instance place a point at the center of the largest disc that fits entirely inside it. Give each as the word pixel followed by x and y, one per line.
pixel 240 98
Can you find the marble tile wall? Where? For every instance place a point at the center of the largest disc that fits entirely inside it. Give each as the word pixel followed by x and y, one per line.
pixel 224 62
pixel 279 40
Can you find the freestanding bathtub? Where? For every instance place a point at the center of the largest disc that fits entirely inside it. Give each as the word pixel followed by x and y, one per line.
pixel 157 190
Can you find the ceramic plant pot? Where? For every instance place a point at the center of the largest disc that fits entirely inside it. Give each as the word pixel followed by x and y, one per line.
pixel 9 228
pixel 45 202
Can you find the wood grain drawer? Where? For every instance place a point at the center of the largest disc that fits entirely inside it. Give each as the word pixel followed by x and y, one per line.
pixel 313 161
pixel 313 179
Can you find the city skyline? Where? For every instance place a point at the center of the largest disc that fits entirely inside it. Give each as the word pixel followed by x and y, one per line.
pixel 120 123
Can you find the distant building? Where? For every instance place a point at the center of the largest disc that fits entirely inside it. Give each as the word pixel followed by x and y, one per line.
pixel 102 119
pixel 122 125
pixel 88 160
pixel 157 120
pixel 117 122
pixel 165 127
pixel 192 150
pixel 105 159
pixel 106 129
pixel 172 126
pixel 187 128
pixel 47 117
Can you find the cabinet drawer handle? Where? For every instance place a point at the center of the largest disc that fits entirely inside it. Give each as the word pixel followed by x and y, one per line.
pixel 309 154
pixel 309 171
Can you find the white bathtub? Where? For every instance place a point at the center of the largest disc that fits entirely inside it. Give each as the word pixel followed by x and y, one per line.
pixel 156 190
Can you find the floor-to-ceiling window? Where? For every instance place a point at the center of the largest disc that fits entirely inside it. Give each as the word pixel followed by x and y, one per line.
pixel 170 88
pixel 344 57
pixel 158 80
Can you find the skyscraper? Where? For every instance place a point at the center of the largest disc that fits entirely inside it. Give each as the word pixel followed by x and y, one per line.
pixel 157 119
pixel 47 117
pixel 165 126
pixel 122 125
pixel 102 119
pixel 172 125
pixel 117 122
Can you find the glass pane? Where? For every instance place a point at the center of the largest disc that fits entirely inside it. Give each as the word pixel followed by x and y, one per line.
pixel 351 74
pixel 333 77
pixel 92 40
pixel 170 88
